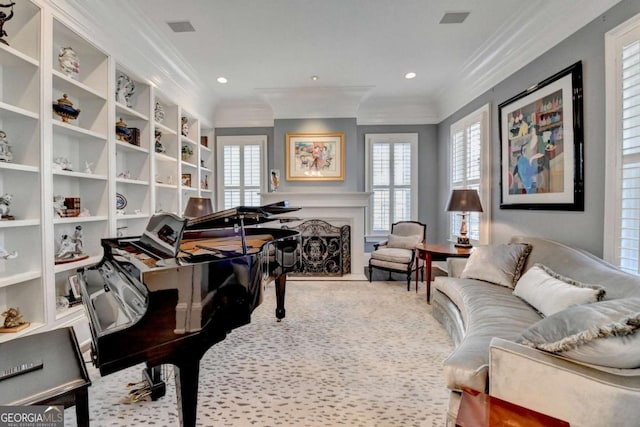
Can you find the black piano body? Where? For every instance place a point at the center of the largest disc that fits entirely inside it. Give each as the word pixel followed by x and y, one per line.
pixel 167 296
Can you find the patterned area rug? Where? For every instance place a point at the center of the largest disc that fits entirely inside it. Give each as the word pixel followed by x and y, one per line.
pixel 347 354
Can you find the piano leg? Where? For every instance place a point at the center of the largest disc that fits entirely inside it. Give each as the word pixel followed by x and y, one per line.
pixel 281 285
pixel 186 376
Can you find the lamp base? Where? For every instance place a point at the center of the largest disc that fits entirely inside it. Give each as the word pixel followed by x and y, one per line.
pixel 463 242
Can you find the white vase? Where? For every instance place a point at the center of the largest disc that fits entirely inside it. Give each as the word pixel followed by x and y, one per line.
pixel 69 62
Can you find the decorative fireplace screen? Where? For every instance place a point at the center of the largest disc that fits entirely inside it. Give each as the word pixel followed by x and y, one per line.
pixel 326 250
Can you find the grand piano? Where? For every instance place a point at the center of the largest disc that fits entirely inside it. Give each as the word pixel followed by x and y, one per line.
pixel 167 296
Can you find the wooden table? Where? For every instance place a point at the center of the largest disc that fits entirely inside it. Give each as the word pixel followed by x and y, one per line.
pixel 436 252
pixel 481 410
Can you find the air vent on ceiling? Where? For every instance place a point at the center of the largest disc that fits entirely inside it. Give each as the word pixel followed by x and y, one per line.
pixel 454 17
pixel 181 27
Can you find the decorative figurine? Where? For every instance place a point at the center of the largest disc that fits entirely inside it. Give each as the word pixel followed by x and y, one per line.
pixel 67 248
pixel 158 113
pixel 69 63
pixel 5 149
pixel 125 175
pixel 59 206
pixel 5 201
pixel 77 240
pixel 13 319
pixel 185 126
pixel 87 167
pixel 159 147
pixel 4 254
pixel 4 18
pixel 122 131
pixel 187 152
pixel 125 88
pixel 64 109
pixel 275 179
pixel 62 164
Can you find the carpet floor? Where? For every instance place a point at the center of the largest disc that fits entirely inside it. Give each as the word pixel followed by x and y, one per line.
pixel 347 354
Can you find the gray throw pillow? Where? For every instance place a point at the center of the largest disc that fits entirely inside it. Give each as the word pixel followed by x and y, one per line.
pixel 499 264
pixel 549 292
pixel 603 333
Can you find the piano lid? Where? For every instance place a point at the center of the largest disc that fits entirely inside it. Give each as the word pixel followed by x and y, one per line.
pixel 241 215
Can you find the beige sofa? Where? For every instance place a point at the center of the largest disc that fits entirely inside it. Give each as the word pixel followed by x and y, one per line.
pixel 484 321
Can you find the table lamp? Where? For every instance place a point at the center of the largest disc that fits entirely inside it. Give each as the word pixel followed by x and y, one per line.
pixel 464 201
pixel 197 207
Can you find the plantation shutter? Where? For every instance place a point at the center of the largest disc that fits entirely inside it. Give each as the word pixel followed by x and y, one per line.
pixel 629 237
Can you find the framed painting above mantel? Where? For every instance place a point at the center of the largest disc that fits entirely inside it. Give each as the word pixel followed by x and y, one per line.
pixel 541 139
pixel 314 156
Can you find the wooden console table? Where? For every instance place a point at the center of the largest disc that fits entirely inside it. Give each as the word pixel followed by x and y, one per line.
pixel 62 379
pixel 436 252
pixel 481 410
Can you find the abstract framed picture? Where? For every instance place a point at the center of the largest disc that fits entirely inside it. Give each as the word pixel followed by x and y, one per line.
pixel 314 156
pixel 541 141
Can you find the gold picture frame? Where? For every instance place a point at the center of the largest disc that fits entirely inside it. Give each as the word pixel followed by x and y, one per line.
pixel 314 156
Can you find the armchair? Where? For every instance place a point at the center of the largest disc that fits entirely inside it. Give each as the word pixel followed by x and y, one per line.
pixel 398 253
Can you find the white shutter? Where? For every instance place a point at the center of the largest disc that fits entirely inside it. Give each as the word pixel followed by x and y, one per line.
pixel 629 221
pixel 466 167
pixel 241 164
pixel 392 178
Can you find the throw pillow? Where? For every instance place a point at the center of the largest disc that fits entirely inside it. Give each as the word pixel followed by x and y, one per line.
pixel 499 264
pixel 403 242
pixel 604 333
pixel 549 292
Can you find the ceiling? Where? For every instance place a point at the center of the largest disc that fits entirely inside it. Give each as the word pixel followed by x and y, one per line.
pixel 359 49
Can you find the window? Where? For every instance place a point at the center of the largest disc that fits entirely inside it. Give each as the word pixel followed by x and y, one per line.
pixel 622 205
pixel 241 170
pixel 392 178
pixel 469 168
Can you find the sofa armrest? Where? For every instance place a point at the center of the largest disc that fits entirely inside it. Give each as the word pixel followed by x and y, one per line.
pixel 455 266
pixel 574 392
pixel 380 244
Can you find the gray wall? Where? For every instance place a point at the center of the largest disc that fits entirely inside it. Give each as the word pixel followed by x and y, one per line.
pixel 581 229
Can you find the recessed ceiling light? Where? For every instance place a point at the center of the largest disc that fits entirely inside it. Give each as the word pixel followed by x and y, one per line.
pixel 315 78
pixel 222 80
pixel 410 75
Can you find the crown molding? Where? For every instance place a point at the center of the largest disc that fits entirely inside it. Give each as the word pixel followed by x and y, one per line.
pixel 538 27
pixel 396 111
pixel 314 102
pixel 249 114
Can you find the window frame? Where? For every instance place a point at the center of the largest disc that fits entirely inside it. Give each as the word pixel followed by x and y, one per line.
pixel 482 115
pixel 615 39
pixel 392 138
pixel 239 140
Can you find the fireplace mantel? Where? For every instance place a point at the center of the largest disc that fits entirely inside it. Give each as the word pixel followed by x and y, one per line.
pixel 337 208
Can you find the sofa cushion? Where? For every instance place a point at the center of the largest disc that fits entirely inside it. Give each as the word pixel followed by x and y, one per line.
pixel 403 242
pixel 549 292
pixel 499 264
pixel 487 311
pixel 397 255
pixel 605 333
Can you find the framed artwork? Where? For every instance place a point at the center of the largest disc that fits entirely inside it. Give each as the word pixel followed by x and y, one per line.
pixel 315 156
pixel 186 180
pixel 541 141
pixel 74 285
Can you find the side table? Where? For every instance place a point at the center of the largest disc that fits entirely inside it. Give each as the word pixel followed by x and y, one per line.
pixel 481 410
pixel 436 252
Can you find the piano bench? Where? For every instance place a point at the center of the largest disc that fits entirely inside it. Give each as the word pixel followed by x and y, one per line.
pixel 61 380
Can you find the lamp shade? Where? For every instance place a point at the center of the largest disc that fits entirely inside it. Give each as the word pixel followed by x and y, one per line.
pixel 197 207
pixel 464 201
